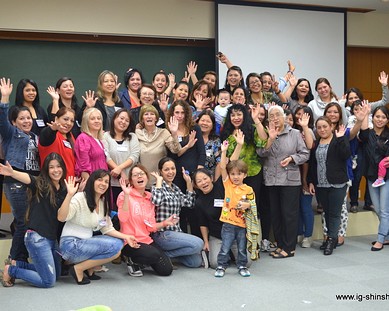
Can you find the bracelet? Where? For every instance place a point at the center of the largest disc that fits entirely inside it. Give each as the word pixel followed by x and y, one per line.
pixel 279 91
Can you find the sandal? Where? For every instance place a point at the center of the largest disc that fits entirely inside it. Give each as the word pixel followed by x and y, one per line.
pixel 283 254
pixel 278 250
pixel 6 283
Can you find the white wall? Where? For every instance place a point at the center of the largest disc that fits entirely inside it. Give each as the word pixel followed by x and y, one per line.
pixel 165 18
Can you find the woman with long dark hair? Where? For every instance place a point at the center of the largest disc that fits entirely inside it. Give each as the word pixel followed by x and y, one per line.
pixel 46 194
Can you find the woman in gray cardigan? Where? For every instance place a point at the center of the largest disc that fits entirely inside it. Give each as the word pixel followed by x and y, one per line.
pixel 284 152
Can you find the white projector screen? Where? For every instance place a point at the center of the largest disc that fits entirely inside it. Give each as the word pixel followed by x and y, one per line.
pixel 262 38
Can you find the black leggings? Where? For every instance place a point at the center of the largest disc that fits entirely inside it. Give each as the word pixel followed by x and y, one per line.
pixel 150 254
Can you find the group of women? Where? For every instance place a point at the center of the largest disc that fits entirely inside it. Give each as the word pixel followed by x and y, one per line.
pixel 91 162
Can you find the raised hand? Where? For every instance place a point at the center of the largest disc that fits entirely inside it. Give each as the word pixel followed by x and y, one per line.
pixel 383 78
pixel 6 169
pixel 126 189
pixel 304 120
pixel 361 114
pixel 71 185
pixel 185 77
pixel 116 81
pixel 224 146
pixel 163 102
pixel 172 79
pixel 272 131
pixel 53 93
pixel 293 81
pixel 157 176
pixel 90 99
pixel 254 109
pixel 192 139
pixel 341 130
pixel 55 126
pixel 6 89
pixel 173 125
pixel 239 137
pixel 191 68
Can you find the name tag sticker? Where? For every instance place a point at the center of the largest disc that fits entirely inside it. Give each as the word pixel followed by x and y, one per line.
pixel 40 122
pixel 121 148
pixel 117 108
pixel 179 139
pixel 67 144
pixel 160 122
pixel 218 202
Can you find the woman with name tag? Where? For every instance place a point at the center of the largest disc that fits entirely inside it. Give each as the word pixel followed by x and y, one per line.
pixel 84 213
pixel 27 95
pixel 20 147
pixel 57 137
pixel 89 149
pixel 122 147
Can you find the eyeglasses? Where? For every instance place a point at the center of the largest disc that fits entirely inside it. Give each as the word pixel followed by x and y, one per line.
pixel 140 174
pixel 147 94
pixel 274 116
pixel 256 82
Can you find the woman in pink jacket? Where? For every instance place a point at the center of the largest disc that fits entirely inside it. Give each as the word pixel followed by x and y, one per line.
pixel 137 217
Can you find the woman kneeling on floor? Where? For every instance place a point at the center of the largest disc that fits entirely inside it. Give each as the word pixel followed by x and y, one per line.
pixel 137 218
pixel 85 212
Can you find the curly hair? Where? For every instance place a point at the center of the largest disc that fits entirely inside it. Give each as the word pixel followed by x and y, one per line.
pixel 246 127
pixel 188 122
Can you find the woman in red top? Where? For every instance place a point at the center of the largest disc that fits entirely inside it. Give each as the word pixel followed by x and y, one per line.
pixel 137 217
pixel 57 137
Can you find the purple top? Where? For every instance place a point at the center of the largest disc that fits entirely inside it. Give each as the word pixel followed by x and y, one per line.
pixel 90 155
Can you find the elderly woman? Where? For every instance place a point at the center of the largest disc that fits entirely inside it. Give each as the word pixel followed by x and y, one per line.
pixel 154 141
pixel 284 151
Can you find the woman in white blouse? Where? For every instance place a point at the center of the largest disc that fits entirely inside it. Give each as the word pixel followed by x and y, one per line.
pixel 84 213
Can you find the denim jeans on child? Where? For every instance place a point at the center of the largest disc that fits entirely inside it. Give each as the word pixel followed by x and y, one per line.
pixel 184 247
pixel 231 233
pixel 76 250
pixel 45 266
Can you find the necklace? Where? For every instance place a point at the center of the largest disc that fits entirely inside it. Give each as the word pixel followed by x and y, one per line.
pixel 146 135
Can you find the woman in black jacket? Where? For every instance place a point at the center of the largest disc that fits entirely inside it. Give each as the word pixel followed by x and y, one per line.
pixel 328 177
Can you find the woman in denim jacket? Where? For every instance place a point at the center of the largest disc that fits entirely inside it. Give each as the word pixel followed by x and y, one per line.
pixel 21 151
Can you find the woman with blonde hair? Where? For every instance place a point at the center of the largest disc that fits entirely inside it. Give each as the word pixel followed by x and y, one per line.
pixel 89 148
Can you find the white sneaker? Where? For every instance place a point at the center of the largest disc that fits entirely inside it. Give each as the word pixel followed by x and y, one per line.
pixel 204 256
pixel 219 272
pixel 300 239
pixel 243 271
pixel 306 242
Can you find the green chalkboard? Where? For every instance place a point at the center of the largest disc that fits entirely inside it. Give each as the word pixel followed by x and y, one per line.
pixel 46 62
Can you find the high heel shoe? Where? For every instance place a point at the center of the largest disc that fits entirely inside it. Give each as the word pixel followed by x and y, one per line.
pixel 73 273
pixel 331 245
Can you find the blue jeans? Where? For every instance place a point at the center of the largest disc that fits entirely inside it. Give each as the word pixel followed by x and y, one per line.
pixel 182 246
pixel 76 250
pixel 16 194
pixel 231 233
pixel 306 218
pixel 45 268
pixel 380 199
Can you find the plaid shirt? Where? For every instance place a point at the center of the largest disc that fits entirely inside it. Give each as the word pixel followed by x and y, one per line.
pixel 169 201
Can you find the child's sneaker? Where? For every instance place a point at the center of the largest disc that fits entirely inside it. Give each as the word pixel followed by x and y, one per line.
pixel 265 245
pixel 219 273
pixel 243 271
pixel 378 183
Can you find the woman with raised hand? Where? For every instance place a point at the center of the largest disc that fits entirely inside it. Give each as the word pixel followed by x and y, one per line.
pixel 107 100
pixel 122 149
pixel 20 147
pixel 46 194
pixel 89 148
pixel 328 175
pixel 137 218
pixel 27 95
pixel 154 141
pixel 376 145
pixel 170 200
pixel 84 213
pixel 63 95
pixel 191 156
pixel 284 151
pixel 299 93
pixel 57 137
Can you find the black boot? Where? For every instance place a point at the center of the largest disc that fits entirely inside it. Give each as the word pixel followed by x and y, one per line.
pixel 331 244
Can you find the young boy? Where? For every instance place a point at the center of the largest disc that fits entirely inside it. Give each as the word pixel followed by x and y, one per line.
pixel 224 102
pixel 239 198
